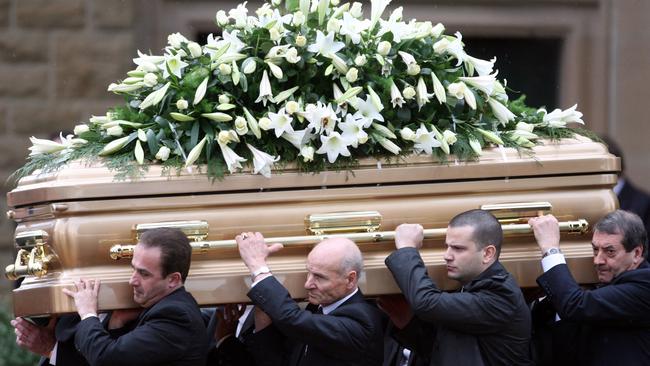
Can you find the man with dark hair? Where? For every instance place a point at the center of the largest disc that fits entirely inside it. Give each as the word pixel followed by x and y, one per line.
pixel 170 329
pixel 338 327
pixel 610 325
pixel 486 323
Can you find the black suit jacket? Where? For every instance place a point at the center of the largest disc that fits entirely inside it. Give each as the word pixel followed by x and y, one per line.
pixel 232 350
pixel 352 334
pixel 170 332
pixel 488 323
pixel 611 323
pixel 632 199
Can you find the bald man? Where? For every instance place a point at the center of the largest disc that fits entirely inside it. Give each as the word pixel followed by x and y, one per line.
pixel 338 327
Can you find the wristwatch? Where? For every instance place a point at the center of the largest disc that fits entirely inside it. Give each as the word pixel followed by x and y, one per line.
pixel 551 251
pixel 259 271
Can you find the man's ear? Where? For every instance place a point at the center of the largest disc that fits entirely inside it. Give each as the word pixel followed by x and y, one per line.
pixel 353 278
pixel 174 280
pixel 489 253
pixel 638 254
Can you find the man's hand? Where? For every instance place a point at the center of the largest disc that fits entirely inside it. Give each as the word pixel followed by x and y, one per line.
pixel 254 251
pixel 228 318
pixel 397 309
pixel 547 232
pixel 85 296
pixel 409 236
pixel 38 340
pixel 119 318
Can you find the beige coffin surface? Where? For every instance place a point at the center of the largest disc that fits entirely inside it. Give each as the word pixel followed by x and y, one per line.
pixel 91 213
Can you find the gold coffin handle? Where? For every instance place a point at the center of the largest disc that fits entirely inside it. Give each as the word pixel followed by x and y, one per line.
pixel 195 230
pixel 126 251
pixel 343 222
pixel 518 213
pixel 36 262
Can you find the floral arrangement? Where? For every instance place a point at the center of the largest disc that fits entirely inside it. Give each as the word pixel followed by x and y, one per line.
pixel 306 82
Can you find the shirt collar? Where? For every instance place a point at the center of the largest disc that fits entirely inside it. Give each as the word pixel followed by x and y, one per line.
pixel 331 307
pixel 619 186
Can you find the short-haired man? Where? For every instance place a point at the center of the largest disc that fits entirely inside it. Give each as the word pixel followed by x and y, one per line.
pixel 338 327
pixel 487 322
pixel 169 331
pixel 613 320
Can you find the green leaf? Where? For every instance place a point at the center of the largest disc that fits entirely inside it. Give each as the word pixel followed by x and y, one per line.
pixel 194 135
pixel 152 142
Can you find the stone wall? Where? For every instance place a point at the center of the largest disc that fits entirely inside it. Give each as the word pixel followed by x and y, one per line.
pixel 56 59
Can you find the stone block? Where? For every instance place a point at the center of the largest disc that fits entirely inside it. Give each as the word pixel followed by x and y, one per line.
pixel 13 151
pixel 50 13
pixel 45 120
pixel 23 80
pixel 4 13
pixel 23 46
pixel 113 14
pixel 87 64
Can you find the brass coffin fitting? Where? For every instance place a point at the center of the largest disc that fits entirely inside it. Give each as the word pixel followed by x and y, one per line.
pixel 36 262
pixel 126 250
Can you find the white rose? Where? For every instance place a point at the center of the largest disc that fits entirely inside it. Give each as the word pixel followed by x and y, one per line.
pixel 115 131
pixel 241 126
pixel 437 30
pixel 181 104
pixel 301 41
pixel 264 123
pixel 441 46
pixel 222 18
pixel 408 92
pixel 360 60
pixel 413 69
pixel 333 25
pixel 150 79
pixel 163 153
pixel 224 137
pixel 292 55
pixel 79 129
pixel 292 107
pixel 352 74
pixel 225 69
pixel 355 10
pixel 175 40
pixel 407 134
pixel 298 18
pixel 449 137
pixel 223 99
pixel 335 2
pixel 195 49
pixel 383 48
pixel 307 153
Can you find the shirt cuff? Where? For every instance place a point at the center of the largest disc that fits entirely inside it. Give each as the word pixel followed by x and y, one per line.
pixel 86 316
pixel 552 260
pixel 260 278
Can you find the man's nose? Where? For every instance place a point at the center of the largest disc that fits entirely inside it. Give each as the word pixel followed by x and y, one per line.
pixel 447 256
pixel 599 258
pixel 309 284
pixel 133 280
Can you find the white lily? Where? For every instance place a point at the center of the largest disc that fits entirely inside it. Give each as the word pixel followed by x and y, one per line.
pixel 114 146
pixel 501 112
pixel 124 88
pixel 461 91
pixel 43 146
pixel 217 116
pixel 138 152
pixel 275 70
pixel 297 138
pixel 79 129
pixel 353 131
pixel 195 49
pixel 148 60
pixel 321 117
pixel 485 83
pixel 325 45
pixel 395 96
pixel 233 161
pixel 195 152
pixel 265 89
pixel 422 95
pixel 559 118
pixel 449 137
pixel 262 162
pixel 307 153
pixel 377 8
pixel 154 98
pixel 200 91
pixel 175 40
pixel 438 89
pixel 353 27
pixel 482 67
pixel 173 64
pixel 239 14
pixel 476 146
pixel 453 47
pixel 333 145
pixel 425 140
pixel 280 122
pixel 388 144
pixel 367 111
pixel 407 134
pixel 252 124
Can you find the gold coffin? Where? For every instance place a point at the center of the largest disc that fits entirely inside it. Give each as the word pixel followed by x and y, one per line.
pixel 82 223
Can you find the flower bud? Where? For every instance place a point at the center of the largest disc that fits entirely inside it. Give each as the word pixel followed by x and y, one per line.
pixel 441 46
pixel 292 107
pixel 241 126
pixel 150 79
pixel 383 48
pixel 523 126
pixel 115 131
pixel 360 60
pixel 275 34
pixel 292 55
pixel 333 25
pixel 449 137
pixel 138 152
pixel 142 136
pixel 408 92
pixel 79 129
pixel 301 41
pixel 175 40
pixel 249 65
pixel 413 69
pixel 335 2
pixel 437 30
pixel 181 104
pixel 223 99
pixel 222 18
pixel 163 153
pixel 307 153
pixel 352 74
pixel 264 123
pixel 224 137
pixel 225 69
pixel 355 10
pixel 195 49
pixel 407 134
pixel 298 18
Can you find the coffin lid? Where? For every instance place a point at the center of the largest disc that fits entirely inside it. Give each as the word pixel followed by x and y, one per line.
pixel 576 156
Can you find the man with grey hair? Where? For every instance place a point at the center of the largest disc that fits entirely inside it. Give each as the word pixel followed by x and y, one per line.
pixel 338 327
pixel 610 324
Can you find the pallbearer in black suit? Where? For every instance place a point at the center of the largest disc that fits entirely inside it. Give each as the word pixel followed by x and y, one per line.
pixel 610 324
pixel 338 327
pixel 170 329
